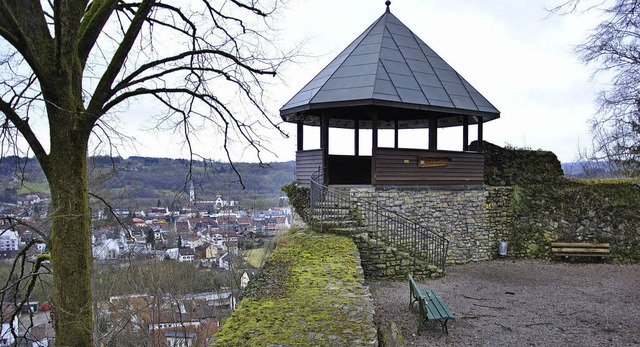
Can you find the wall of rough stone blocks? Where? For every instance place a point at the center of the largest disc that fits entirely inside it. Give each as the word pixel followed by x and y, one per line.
pixel 473 219
pixel 577 211
pixel 381 261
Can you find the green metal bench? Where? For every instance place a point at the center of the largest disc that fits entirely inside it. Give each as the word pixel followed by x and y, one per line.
pixel 431 306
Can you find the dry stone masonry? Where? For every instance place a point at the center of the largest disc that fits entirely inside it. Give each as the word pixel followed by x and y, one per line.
pixel 469 217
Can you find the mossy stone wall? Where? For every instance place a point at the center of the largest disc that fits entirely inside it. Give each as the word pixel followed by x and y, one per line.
pixel 310 293
pixel 499 216
pixel 577 211
pixel 527 216
pixel 514 167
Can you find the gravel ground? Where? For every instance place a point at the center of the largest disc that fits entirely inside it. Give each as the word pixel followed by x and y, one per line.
pixel 523 303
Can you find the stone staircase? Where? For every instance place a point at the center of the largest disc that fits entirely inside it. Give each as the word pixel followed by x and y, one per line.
pixel 379 259
pixel 338 218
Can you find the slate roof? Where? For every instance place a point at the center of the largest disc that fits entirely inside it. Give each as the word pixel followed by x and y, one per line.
pixel 389 74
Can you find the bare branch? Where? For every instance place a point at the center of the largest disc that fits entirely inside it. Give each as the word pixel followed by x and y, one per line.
pixel 30 41
pixel 103 90
pixel 26 131
pixel 93 24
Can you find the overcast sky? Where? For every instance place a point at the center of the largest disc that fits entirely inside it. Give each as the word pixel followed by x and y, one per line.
pixel 520 58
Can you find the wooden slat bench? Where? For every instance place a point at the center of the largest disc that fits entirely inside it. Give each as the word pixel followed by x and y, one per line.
pixel 431 306
pixel 580 249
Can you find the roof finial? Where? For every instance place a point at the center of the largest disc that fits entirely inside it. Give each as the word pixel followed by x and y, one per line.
pixel 387 3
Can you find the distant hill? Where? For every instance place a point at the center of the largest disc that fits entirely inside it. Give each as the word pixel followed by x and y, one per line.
pixel 587 169
pixel 161 181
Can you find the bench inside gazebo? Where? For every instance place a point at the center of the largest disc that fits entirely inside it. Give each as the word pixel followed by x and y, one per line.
pixel 388 78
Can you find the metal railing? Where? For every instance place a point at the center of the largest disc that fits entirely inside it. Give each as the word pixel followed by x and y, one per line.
pixel 381 223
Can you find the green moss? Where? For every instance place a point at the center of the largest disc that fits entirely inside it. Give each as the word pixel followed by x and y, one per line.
pixel 603 181
pixel 304 296
pixel 507 166
pixel 356 214
pixel 389 335
pixel 299 198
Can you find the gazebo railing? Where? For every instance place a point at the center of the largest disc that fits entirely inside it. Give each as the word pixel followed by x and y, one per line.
pixel 381 223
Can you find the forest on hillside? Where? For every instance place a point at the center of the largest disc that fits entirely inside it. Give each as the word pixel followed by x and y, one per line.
pixel 145 181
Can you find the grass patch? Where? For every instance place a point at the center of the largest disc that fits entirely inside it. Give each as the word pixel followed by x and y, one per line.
pixel 256 256
pixel 34 187
pixel 604 180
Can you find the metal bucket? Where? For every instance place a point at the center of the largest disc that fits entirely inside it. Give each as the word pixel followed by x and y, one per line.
pixel 502 249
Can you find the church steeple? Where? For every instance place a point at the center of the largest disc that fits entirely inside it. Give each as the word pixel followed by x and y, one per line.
pixel 192 193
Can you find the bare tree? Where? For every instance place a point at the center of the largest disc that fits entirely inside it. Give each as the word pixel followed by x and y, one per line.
pixel 74 66
pixel 614 46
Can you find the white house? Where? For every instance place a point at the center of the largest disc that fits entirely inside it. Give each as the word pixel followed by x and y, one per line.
pixel 107 249
pixel 226 260
pixel 217 239
pixel 186 255
pixel 30 199
pixel 9 240
pixel 223 298
pixel 41 247
pixel 180 338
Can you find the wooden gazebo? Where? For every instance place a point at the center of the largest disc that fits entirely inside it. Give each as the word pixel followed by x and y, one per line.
pixel 390 79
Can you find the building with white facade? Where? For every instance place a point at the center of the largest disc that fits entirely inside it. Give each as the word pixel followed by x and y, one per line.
pixel 9 240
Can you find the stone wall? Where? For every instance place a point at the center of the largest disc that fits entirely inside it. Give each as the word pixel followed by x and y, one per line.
pixel 499 216
pixel 475 220
pixel 458 213
pixel 380 261
pixel 577 211
pixel 528 217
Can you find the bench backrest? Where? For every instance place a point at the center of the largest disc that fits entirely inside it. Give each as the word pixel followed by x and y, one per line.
pixel 585 248
pixel 416 292
pixel 412 284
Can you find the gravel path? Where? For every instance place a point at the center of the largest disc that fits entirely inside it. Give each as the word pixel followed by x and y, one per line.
pixel 523 303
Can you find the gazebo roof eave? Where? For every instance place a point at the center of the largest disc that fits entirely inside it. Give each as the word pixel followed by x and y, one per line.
pixel 373 108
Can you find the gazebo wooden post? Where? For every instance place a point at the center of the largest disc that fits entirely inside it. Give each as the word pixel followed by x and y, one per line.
pixel 356 136
pixel 374 148
pixel 433 134
pixel 480 141
pixel 324 145
pixel 395 134
pixel 465 133
pixel 300 136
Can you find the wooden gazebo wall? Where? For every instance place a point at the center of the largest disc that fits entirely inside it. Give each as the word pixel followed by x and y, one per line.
pixel 393 166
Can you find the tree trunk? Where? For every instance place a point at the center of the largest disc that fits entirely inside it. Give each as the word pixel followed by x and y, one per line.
pixel 71 233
